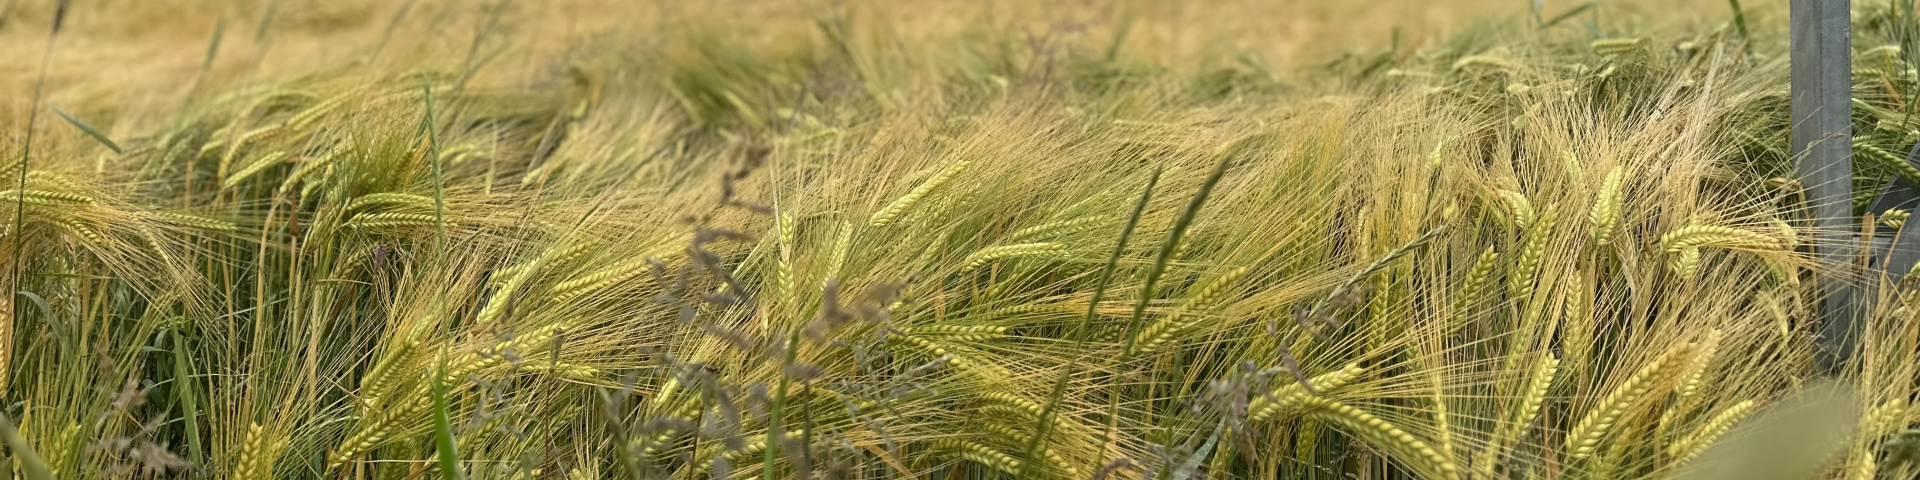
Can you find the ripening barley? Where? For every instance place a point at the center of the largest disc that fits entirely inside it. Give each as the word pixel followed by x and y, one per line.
pixel 901 205
pixel 1607 206
pixel 1587 433
pixel 988 255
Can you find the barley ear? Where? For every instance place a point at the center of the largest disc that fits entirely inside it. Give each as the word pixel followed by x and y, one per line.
pixel 1586 435
pixel 1292 395
pixel 1476 281
pixel 900 205
pixel 988 255
pixel 1417 454
pixel 257 454
pixel 1607 206
pixel 1697 442
pixel 1518 206
pixel 1520 283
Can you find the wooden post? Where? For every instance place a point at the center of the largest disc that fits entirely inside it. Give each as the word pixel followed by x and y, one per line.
pixel 1822 141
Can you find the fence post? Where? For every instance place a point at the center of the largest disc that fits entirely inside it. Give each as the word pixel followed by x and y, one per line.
pixel 1822 142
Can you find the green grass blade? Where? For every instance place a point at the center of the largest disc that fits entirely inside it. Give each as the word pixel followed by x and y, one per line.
pixel 1166 250
pixel 443 426
pixel 183 386
pixel 213 46
pixel 1132 332
pixel 433 155
pixel 1093 305
pixel 60 329
pixel 30 462
pixel 1569 14
pixel 1739 18
pixel 777 415
pixel 88 129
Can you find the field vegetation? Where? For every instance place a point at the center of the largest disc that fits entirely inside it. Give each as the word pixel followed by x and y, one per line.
pixel 590 239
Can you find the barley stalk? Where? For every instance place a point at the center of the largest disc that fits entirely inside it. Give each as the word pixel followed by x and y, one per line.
pixel 1292 395
pixel 1895 218
pixel 523 345
pixel 1885 418
pixel 390 198
pixel 1865 148
pixel 1202 299
pixel 45 197
pixel 1518 206
pixel 961 333
pixel 900 206
pixel 1695 236
pixel 378 429
pixel 1863 467
pixel 561 256
pixel 1057 228
pixel 1417 454
pixel 1697 442
pixel 1577 335
pixel 1476 281
pixel 78 228
pixel 1520 283
pixel 197 222
pixel 1587 433
pixel 59 452
pixel 842 245
pixel 1151 338
pixel 569 290
pixel 1696 368
pixel 1686 263
pixel 783 271
pixel 1537 385
pixel 384 375
pixel 518 278
pixel 1014 436
pixel 1617 46
pixel 257 454
pixel 258 165
pixel 988 255
pixel 306 118
pixel 369 221
pixel 307 167
pixel 1442 424
pixel 985 370
pixel 980 454
pixel 1607 206
pixel 233 148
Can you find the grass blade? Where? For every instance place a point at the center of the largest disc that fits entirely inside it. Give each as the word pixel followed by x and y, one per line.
pixel 443 427
pixel 183 386
pixel 213 45
pixel 88 129
pixel 776 428
pixel 1093 305
pixel 1132 331
pixel 1570 14
pixel 30 462
pixel 1739 18
pixel 1166 250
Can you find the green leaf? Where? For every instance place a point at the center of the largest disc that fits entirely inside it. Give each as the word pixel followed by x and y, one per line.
pixel 90 131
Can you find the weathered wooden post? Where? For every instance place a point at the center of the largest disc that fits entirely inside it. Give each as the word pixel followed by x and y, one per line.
pixel 1822 141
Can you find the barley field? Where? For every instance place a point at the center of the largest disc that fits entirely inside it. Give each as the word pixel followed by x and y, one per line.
pixel 943 240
